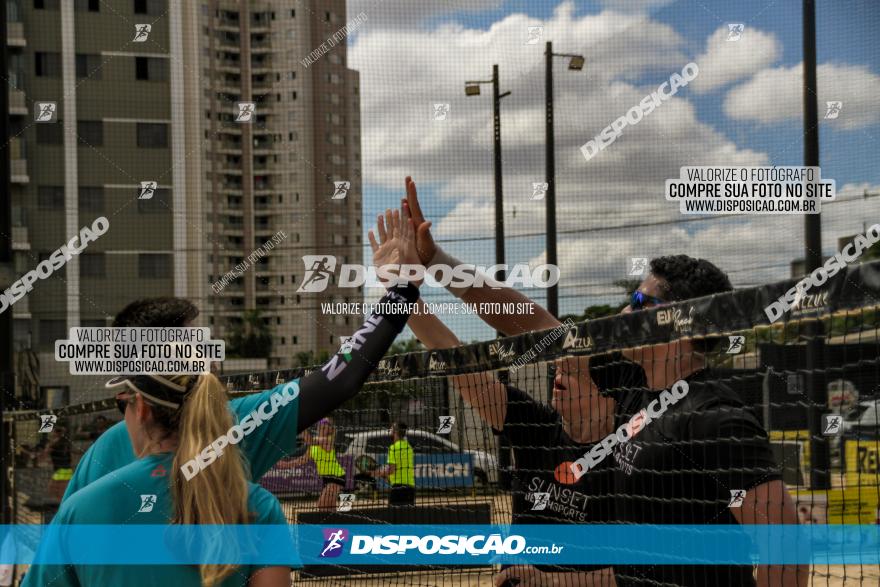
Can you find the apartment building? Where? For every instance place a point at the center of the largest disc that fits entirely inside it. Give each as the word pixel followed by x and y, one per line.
pixel 144 132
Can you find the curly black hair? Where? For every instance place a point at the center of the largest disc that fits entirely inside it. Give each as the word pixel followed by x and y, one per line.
pixel 156 312
pixel 688 278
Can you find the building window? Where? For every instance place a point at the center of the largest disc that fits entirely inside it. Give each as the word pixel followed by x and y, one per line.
pixel 159 203
pixel 87 5
pixel 52 330
pixel 151 69
pixel 151 135
pixel 90 133
pixel 50 197
pixel 154 266
pixel 46 4
pixel 92 265
pixel 50 133
pixel 154 7
pixel 88 66
pixel 91 198
pixel 47 64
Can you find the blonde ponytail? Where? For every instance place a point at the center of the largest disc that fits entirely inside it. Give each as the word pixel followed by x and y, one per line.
pixel 219 493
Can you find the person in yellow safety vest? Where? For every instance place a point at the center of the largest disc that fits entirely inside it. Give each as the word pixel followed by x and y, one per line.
pixel 322 451
pixel 400 468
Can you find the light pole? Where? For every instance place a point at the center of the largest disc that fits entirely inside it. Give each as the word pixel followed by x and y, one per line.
pixel 576 63
pixel 472 88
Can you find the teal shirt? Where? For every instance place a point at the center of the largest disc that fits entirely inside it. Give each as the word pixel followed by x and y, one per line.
pixel 116 499
pixel 273 440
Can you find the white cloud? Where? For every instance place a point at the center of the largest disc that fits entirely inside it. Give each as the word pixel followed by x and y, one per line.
pixel 776 95
pixel 724 62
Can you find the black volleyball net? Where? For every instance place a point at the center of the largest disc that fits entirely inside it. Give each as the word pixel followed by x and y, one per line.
pixel 793 402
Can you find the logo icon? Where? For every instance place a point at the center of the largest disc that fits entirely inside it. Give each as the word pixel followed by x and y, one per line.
pixel 45 112
pixel 342 188
pixel 47 423
pixel 832 110
pixel 735 344
pixel 346 500
pixel 345 347
pixel 737 497
pixel 441 111
pixel 735 31
pixel 246 111
pixel 832 424
pixel 148 188
pixel 141 32
pixel 334 538
pixel 319 270
pixel 638 265
pixel 446 424
pixel 159 471
pixel 540 501
pixel 535 33
pixel 573 341
pixel 147 503
pixel 539 190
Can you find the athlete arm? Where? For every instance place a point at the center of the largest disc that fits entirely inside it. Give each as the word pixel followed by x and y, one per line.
pixel 431 331
pixel 340 379
pixel 770 503
pixel 537 318
pixel 270 577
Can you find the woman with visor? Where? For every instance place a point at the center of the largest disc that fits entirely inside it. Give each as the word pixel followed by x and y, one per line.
pixel 170 420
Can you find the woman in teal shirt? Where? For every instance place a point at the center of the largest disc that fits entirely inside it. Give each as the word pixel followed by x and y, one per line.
pixel 170 420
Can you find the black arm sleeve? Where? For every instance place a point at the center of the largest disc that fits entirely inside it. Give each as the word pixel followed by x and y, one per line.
pixel 343 375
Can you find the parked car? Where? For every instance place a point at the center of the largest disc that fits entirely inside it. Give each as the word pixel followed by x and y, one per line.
pixel 863 420
pixel 375 443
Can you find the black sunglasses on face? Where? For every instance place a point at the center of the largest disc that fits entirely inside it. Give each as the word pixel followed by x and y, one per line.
pixel 122 403
pixel 640 300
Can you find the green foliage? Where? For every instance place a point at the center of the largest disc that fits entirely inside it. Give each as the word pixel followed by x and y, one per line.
pixel 410 345
pixel 250 338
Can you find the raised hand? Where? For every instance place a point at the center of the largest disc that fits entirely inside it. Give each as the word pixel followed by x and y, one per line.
pixel 386 250
pixel 424 241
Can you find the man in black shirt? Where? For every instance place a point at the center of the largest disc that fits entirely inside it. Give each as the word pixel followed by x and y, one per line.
pixel 680 468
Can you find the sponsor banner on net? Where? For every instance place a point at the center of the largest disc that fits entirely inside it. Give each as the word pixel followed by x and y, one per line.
pixel 797 297
pixel 139 351
pixel 750 190
pixel 396 544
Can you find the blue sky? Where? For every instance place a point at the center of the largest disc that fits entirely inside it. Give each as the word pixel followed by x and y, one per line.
pixel 413 55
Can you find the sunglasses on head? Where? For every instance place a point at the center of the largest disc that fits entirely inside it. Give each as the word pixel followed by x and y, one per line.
pixel 641 300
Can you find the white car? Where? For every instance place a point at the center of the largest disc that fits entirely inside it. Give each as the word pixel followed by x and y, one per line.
pixel 864 419
pixel 375 443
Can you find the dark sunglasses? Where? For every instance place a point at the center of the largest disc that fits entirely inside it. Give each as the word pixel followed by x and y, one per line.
pixel 122 403
pixel 640 300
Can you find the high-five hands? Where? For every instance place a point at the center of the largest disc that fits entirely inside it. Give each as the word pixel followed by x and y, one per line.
pixel 396 246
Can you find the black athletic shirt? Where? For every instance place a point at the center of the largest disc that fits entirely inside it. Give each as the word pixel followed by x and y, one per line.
pixel 680 469
pixel 542 454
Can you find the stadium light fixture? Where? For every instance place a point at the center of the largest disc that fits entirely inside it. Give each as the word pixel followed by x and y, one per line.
pixel 472 89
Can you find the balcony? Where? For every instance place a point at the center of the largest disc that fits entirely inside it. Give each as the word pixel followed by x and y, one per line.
pixel 17 104
pixel 15 34
pixel 20 241
pixel 18 161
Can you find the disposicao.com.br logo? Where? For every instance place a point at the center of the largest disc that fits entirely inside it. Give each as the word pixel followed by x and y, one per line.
pixel 450 544
pixel 321 269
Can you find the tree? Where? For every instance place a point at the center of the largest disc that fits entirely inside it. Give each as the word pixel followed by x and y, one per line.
pixel 250 338
pixel 410 345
